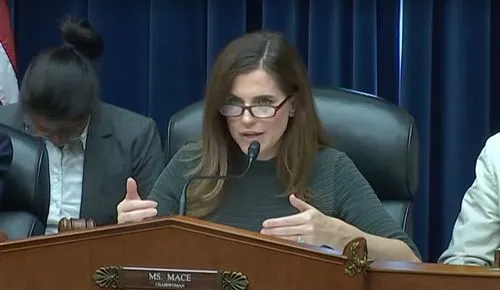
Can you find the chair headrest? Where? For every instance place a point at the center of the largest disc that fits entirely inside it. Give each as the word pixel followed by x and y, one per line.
pixel 379 137
pixel 27 184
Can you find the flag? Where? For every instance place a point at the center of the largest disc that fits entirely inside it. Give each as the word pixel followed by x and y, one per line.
pixel 9 90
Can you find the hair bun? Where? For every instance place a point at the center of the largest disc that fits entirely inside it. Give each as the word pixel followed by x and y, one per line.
pixel 80 35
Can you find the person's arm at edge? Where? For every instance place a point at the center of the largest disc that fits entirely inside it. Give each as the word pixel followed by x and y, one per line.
pixel 477 229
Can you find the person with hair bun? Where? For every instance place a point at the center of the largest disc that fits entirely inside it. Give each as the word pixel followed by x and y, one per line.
pixel 93 147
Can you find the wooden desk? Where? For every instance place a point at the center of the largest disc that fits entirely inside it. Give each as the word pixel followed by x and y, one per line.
pixel 70 260
pixel 427 276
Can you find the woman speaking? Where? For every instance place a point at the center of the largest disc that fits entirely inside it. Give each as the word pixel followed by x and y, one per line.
pixel 300 188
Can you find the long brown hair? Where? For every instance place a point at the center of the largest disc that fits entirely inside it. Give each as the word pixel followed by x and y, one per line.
pixel 301 141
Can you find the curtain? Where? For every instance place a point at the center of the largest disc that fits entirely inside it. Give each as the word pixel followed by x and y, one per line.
pixel 158 53
pixel 450 73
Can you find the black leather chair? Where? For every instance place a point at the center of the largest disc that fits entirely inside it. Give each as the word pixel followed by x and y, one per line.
pixel 378 136
pixel 24 206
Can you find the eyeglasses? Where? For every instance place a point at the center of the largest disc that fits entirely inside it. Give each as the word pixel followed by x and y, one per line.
pixel 54 132
pixel 258 111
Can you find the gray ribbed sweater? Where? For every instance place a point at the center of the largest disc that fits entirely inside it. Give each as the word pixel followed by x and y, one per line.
pixel 337 188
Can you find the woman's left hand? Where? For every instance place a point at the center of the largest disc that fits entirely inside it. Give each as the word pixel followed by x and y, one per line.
pixel 309 226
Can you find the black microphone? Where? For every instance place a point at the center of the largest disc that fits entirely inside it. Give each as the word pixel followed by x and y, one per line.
pixel 252 153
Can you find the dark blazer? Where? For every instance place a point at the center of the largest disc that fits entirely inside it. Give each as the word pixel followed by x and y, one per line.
pixel 120 144
pixel 5 158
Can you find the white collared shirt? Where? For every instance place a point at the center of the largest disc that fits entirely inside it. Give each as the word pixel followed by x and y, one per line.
pixel 476 233
pixel 66 180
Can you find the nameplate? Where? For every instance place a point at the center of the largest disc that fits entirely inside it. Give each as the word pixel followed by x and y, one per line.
pixel 114 277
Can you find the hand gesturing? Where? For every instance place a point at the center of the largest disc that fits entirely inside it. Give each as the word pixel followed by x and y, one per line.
pixel 132 208
pixel 308 226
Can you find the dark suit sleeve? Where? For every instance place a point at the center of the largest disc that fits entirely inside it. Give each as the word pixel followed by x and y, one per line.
pixel 6 154
pixel 148 158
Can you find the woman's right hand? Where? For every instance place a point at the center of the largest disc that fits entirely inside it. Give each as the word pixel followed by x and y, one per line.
pixel 132 208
